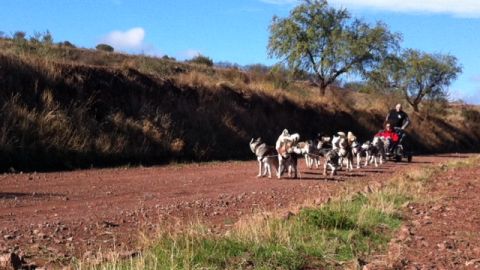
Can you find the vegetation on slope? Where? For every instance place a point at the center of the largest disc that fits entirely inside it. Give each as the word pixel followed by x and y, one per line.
pixel 65 108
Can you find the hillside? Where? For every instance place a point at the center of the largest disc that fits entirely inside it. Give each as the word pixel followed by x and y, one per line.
pixel 67 108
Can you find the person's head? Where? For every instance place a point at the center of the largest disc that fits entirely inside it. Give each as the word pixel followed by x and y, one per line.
pixel 398 107
pixel 388 126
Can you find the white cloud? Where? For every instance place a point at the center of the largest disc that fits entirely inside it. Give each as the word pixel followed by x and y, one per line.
pixel 280 2
pixel 462 8
pixel 126 40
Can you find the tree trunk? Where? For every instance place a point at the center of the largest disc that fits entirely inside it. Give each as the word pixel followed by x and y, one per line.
pixel 322 90
pixel 415 107
pixel 414 103
pixel 322 87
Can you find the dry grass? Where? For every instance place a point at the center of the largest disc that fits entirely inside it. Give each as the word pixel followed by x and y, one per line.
pixel 96 108
pixel 314 237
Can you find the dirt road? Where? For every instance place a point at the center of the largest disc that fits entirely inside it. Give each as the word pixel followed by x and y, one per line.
pixel 54 216
pixel 444 232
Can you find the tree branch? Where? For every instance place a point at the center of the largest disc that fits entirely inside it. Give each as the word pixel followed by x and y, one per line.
pixel 314 64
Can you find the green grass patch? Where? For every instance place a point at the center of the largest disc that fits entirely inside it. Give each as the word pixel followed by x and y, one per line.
pixel 339 232
pixel 327 237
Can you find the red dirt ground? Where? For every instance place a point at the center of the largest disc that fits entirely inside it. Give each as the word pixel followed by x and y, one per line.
pixel 52 217
pixel 443 233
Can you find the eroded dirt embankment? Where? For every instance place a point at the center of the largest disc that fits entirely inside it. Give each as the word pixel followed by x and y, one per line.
pixel 57 116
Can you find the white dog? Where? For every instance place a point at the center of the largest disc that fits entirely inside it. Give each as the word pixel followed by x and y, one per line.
pixel 309 150
pixel 367 149
pixel 266 156
pixel 287 153
pixel 377 151
pixel 341 144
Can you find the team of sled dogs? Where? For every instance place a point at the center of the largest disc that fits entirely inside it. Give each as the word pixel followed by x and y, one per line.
pixel 336 151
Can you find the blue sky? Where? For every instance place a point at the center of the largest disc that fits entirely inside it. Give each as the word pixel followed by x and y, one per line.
pixel 237 31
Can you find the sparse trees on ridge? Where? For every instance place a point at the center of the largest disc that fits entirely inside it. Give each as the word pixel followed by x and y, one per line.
pixel 328 43
pixel 418 75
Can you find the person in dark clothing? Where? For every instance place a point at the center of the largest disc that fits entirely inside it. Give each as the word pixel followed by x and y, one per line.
pixel 399 121
pixel 398 118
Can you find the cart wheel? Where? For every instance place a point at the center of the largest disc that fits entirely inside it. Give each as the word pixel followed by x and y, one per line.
pixel 409 158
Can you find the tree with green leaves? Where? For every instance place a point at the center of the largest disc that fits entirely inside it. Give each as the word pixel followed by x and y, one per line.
pixel 418 75
pixel 42 38
pixel 104 47
pixel 19 35
pixel 328 42
pixel 202 60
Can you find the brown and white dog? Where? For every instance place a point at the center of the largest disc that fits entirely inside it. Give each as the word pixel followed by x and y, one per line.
pixel 287 153
pixel 355 149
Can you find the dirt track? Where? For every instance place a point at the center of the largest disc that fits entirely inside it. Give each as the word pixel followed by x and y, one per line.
pixel 54 216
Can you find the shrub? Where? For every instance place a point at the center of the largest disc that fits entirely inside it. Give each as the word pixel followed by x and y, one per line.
pixel 435 107
pixel 67 44
pixel 202 60
pixel 47 38
pixel 360 86
pixel 104 47
pixel 258 71
pixel 279 76
pixel 20 41
pixel 166 57
pixel 19 36
pixel 35 39
pixel 42 38
pixel 226 64
pixel 470 115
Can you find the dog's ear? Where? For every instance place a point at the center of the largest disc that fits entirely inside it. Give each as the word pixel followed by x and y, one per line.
pixel 295 137
pixel 251 140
